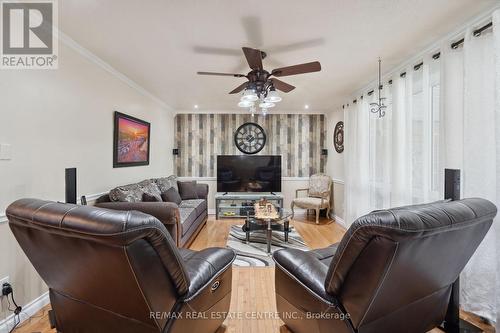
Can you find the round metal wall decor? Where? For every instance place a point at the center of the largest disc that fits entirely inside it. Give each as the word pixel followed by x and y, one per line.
pixel 338 137
pixel 250 138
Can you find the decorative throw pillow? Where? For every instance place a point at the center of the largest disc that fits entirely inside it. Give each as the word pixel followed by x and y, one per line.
pixel 149 198
pixel 167 182
pixel 171 195
pixel 187 190
pixel 150 187
pixel 126 193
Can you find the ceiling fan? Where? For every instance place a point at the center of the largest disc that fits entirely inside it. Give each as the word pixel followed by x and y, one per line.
pixel 262 84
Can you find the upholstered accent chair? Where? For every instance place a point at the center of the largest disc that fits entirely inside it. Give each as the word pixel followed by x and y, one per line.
pixel 318 195
pixel 120 271
pixel 393 270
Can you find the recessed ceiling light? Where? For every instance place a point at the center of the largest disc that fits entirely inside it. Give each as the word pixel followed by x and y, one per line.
pixel 306 106
pixel 196 106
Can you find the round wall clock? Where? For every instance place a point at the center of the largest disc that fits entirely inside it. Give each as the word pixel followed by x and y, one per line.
pixel 338 137
pixel 250 138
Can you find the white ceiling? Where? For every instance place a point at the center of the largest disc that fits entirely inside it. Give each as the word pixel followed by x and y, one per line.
pixel 161 44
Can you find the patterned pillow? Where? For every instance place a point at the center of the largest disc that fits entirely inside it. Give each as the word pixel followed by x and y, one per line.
pixel 167 182
pixel 149 187
pixel 126 193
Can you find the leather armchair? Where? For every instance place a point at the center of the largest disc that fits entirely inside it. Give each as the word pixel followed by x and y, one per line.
pixel 392 272
pixel 120 271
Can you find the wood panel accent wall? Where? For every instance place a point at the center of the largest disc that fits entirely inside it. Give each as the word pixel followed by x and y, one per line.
pixel 298 138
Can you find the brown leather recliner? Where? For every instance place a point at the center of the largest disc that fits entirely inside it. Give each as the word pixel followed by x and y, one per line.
pixel 392 271
pixel 116 271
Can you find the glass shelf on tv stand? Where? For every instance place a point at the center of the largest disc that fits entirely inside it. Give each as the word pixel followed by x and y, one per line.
pixel 238 205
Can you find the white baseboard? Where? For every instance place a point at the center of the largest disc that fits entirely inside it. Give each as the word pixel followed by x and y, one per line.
pixel 29 310
pixel 340 221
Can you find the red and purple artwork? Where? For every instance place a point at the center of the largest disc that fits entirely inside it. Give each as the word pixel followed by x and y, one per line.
pixel 131 144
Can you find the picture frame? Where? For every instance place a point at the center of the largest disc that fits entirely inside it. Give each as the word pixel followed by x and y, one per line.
pixel 131 141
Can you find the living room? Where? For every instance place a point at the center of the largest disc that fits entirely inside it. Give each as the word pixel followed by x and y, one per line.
pixel 189 166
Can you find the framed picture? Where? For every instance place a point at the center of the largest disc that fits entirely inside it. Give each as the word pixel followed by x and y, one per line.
pixel 131 141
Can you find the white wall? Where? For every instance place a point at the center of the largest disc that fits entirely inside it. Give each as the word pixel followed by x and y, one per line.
pixel 335 164
pixel 64 118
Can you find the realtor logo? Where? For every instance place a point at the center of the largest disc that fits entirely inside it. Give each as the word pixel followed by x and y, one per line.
pixel 29 38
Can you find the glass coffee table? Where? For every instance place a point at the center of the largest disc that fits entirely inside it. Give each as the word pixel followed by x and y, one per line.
pixel 270 219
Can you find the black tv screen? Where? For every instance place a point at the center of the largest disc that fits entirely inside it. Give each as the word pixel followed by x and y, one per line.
pixel 245 173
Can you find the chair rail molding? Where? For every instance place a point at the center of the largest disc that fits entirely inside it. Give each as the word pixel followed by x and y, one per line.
pixel 94 197
pixel 214 179
pixel 338 181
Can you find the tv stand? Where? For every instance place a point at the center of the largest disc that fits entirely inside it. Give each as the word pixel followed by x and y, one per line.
pixel 240 204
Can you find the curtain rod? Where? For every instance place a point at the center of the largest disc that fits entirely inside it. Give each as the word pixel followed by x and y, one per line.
pixel 475 33
pixel 454 45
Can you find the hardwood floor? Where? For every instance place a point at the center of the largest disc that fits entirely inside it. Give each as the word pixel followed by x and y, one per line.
pixel 253 287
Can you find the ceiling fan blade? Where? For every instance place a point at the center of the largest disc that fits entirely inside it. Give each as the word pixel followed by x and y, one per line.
pixel 216 50
pixel 239 88
pixel 254 57
pixel 220 74
pixel 309 67
pixel 280 85
pixel 295 46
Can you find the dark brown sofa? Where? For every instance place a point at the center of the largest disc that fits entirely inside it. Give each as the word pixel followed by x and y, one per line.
pixel 116 271
pixel 392 272
pixel 183 221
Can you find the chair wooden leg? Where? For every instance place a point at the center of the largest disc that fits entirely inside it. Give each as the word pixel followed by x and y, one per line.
pixel 293 213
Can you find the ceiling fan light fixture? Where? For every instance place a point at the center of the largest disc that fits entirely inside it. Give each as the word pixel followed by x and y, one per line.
pixel 272 97
pixel 249 95
pixel 245 104
pixel 266 105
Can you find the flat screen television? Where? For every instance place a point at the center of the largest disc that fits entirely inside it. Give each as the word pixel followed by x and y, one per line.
pixel 248 173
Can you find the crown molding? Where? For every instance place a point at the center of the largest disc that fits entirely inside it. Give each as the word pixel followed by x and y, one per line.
pixel 71 43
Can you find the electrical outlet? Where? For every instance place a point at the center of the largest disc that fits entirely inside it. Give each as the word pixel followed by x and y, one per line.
pixel 5 151
pixel 2 281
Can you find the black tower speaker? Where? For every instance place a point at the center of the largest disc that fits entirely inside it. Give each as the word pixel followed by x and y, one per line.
pixel 453 323
pixel 71 185
pixel 452 184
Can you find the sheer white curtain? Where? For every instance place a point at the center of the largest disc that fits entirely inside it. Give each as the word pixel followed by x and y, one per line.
pixel 390 160
pixel 357 198
pixel 480 287
pixel 445 114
